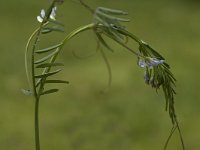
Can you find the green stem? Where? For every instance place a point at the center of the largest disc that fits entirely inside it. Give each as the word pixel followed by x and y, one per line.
pixel 86 6
pixel 37 139
pixel 37 33
pixel 37 136
pixel 77 31
pixel 124 45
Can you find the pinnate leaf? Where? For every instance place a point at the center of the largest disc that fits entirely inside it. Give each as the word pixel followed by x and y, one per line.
pixel 47 74
pixel 48 49
pixel 46 57
pixel 49 65
pixel 56 81
pixel 49 91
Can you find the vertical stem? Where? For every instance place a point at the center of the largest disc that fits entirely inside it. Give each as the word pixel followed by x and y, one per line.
pixel 36 120
pixel 37 136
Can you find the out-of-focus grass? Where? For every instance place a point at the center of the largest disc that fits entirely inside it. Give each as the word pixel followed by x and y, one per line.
pixel 130 116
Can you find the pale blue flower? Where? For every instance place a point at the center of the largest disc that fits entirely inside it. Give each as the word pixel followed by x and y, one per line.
pixel 154 62
pixel 150 62
pixel 142 63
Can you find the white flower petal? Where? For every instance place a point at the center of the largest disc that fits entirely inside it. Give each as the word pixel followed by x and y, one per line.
pixel 55 8
pixel 53 13
pixel 39 18
pixel 42 13
pixel 52 17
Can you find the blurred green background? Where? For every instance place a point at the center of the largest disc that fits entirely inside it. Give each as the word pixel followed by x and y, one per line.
pixel 130 116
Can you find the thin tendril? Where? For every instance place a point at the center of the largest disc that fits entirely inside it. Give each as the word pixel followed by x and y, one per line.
pixel 175 126
pixel 170 136
pixel 26 57
pixel 180 134
pixel 108 67
pixel 26 53
pixel 124 45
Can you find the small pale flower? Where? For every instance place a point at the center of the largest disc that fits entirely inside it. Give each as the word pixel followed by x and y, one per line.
pixel 150 62
pixel 42 15
pixel 53 13
pixel 155 62
pixel 142 63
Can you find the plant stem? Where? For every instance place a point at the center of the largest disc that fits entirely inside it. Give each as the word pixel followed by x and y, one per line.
pixel 37 136
pixel 86 6
pixel 37 139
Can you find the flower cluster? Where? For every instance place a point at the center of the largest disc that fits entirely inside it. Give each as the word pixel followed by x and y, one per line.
pixel 157 74
pixel 42 15
pixel 152 74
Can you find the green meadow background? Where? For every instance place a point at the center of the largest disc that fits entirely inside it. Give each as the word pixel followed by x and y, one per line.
pixel 131 115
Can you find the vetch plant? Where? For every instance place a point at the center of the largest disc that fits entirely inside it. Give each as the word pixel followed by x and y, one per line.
pixel 41 64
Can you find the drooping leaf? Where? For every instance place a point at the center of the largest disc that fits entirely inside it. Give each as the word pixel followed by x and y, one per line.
pixel 56 22
pixel 143 50
pixel 49 91
pixel 46 57
pixel 117 35
pixel 45 31
pixel 104 15
pixel 47 74
pixel 49 65
pixel 155 53
pixel 56 81
pixel 103 42
pixel 55 28
pixel 112 11
pixel 99 20
pixel 48 49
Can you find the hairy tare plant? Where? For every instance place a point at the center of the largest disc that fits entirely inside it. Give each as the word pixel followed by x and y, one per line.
pixel 41 64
